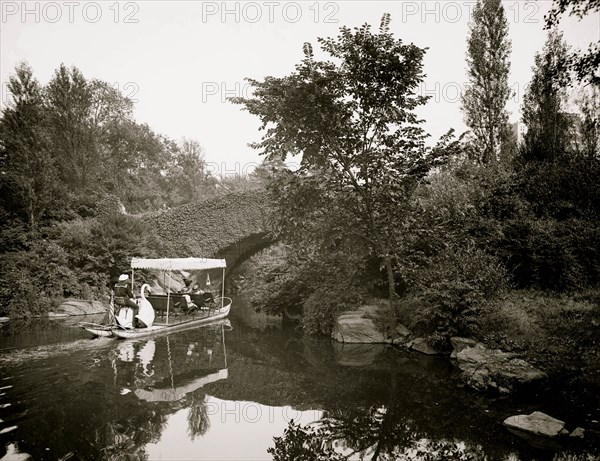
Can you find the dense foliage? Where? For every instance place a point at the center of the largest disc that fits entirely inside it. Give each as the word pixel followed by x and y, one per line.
pixel 584 64
pixel 352 119
pixel 461 232
pixel 73 163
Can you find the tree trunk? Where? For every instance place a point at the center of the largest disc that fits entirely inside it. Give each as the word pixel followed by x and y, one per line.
pixel 31 207
pixel 392 295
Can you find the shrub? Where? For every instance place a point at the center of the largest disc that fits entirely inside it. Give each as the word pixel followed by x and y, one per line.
pixel 33 280
pixel 324 304
pixel 551 255
pixel 454 288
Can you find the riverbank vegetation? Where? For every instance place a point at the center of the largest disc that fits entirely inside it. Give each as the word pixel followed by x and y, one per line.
pixel 484 235
pixel 77 171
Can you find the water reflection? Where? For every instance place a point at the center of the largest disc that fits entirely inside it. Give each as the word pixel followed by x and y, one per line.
pixel 215 393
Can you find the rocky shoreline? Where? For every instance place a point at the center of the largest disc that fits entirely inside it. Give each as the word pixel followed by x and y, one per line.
pixel 487 371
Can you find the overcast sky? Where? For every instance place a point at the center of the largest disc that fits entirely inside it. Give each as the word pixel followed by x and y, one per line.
pixel 179 61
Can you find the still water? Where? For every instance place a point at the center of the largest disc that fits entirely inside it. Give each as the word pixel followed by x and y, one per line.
pixel 229 391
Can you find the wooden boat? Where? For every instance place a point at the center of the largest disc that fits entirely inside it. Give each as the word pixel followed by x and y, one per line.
pixel 184 322
pixel 121 325
pixel 99 329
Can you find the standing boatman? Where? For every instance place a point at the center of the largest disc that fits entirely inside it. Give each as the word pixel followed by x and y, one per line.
pixel 124 294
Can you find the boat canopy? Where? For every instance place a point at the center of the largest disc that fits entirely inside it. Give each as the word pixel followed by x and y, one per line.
pixel 177 393
pixel 177 264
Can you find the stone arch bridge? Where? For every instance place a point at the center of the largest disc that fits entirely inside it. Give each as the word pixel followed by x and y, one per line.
pixel 232 226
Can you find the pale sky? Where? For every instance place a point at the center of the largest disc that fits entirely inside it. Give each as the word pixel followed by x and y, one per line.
pixel 180 60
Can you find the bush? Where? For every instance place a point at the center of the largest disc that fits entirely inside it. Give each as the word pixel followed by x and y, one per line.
pixel 321 285
pixel 551 255
pixel 32 281
pixel 324 304
pixel 454 288
pixel 102 248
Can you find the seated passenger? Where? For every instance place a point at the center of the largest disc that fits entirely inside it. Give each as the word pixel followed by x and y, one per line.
pixel 186 287
pixel 187 304
pixel 202 296
pixel 208 298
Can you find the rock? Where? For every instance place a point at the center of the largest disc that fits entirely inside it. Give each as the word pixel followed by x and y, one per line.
pixel 496 371
pixel 578 432
pixel 358 327
pixel 423 346
pixel 459 344
pixel 398 342
pixel 536 423
pixel 402 331
pixel 71 307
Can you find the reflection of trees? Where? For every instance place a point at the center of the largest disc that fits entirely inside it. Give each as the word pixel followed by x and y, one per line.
pixel 117 444
pixel 198 419
pixel 122 434
pixel 310 443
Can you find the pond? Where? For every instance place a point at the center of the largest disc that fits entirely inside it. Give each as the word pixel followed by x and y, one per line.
pixel 225 391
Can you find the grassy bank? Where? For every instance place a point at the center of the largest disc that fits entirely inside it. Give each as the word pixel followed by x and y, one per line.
pixel 560 334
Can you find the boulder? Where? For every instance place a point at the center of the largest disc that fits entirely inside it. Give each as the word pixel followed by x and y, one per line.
pixel 578 432
pixel 403 332
pixel 71 307
pixel 496 371
pixel 358 327
pixel 536 423
pixel 423 346
pixel 459 344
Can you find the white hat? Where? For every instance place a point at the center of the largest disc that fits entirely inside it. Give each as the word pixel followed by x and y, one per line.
pixel 123 277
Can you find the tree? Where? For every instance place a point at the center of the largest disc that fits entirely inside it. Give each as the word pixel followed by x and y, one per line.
pixel 189 173
pixel 557 180
pixel 544 114
pixel 484 99
pixel 362 150
pixel 70 99
pixel 589 106
pixel 27 167
pixel 585 65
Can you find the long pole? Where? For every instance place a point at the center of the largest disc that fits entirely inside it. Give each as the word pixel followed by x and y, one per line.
pixel 168 297
pixel 223 289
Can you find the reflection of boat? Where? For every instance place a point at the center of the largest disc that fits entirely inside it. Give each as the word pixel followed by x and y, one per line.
pixel 177 393
pixel 169 368
pixel 206 309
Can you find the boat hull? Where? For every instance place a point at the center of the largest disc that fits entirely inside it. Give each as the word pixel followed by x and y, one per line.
pixel 96 329
pixel 158 328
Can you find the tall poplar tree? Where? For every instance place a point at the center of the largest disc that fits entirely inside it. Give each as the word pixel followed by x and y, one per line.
pixel 484 99
pixel 545 101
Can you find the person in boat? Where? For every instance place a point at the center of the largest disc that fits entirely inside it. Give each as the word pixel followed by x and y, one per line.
pixel 124 294
pixel 207 296
pixel 187 286
pixel 187 305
